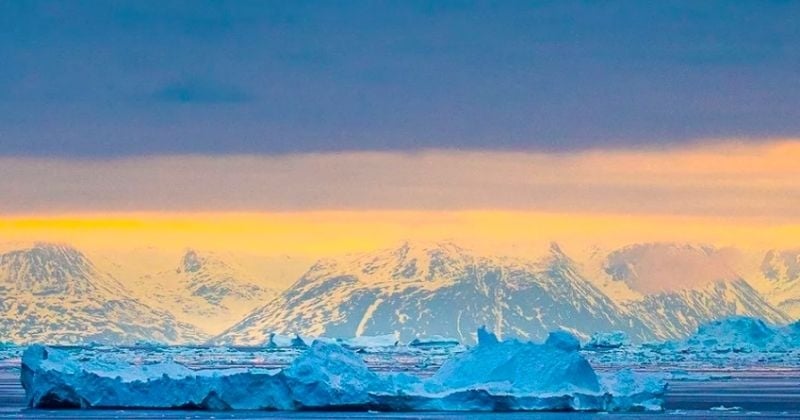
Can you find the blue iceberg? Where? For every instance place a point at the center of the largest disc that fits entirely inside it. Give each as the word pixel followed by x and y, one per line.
pixel 434 341
pixel 607 340
pixel 286 341
pixel 492 376
pixel 741 334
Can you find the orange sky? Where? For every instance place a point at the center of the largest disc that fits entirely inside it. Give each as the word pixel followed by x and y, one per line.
pixel 726 193
pixel 334 232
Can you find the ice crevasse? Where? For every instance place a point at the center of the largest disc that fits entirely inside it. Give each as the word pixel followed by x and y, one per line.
pixel 492 376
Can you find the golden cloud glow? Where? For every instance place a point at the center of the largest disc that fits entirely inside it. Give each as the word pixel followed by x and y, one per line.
pixel 726 193
pixel 727 180
pixel 335 232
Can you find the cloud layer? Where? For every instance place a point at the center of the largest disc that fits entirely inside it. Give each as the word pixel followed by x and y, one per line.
pixel 137 78
pixel 726 180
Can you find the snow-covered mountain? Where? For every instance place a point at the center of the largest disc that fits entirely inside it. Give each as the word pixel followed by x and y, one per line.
pixel 54 294
pixel 676 314
pixel 206 291
pixel 436 289
pixel 782 269
pixel 683 286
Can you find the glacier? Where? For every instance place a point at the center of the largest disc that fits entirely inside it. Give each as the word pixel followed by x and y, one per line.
pixel 493 375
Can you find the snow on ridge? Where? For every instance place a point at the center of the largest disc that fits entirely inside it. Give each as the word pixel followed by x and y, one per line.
pixel 782 270
pixel 671 315
pixel 205 290
pixel 412 289
pixel 440 289
pixel 373 293
pixel 54 294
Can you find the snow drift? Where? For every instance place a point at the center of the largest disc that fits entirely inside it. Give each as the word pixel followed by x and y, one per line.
pixel 492 376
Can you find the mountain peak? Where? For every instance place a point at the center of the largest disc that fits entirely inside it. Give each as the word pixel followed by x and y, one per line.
pixel 191 261
pixel 416 247
pixel 55 251
pixel 46 262
pixel 417 259
pixel 555 249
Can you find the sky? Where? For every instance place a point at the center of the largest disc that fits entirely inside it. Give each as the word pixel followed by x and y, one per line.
pixel 130 78
pixel 342 125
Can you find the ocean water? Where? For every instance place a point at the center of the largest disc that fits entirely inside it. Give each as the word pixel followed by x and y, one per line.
pixel 757 391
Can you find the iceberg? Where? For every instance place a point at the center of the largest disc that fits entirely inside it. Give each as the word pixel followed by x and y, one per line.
pixel 375 341
pixel 563 340
pixel 737 342
pixel 9 352
pixel 285 341
pixel 493 375
pixel 740 334
pixel 792 333
pixel 607 340
pixel 515 375
pixel 326 375
pixel 434 341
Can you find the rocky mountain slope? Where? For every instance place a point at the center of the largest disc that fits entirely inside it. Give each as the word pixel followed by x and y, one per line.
pixel 441 289
pixel 782 269
pixel 54 294
pixel 206 291
pixel 436 289
pixel 681 286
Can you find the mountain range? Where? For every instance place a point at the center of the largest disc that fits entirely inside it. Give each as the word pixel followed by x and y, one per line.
pixel 205 290
pixel 54 293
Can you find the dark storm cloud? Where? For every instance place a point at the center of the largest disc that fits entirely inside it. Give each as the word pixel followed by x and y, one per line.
pixel 114 78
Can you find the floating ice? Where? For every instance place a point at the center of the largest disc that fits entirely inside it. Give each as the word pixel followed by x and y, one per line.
pixel 285 341
pixel 724 408
pixel 740 334
pixel 494 375
pixel 9 351
pixel 434 340
pixel 733 343
pixel 607 340
pixel 365 341
pixel 792 334
pixel 516 367
pixel 563 340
